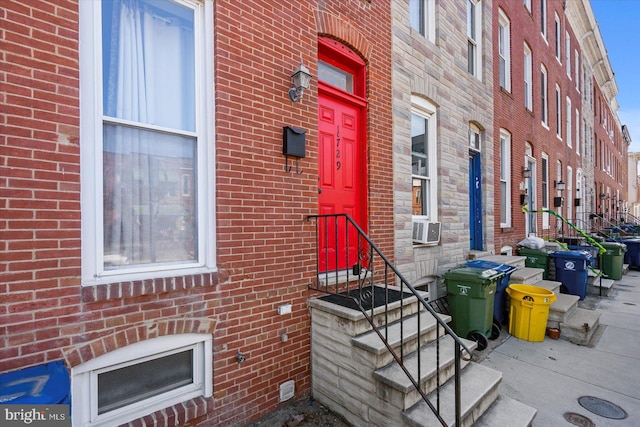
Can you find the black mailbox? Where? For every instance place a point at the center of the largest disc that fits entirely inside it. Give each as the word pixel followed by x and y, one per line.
pixel 294 142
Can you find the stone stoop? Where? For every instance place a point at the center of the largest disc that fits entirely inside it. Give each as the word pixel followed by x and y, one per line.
pixel 526 276
pixel 354 374
pixel 599 285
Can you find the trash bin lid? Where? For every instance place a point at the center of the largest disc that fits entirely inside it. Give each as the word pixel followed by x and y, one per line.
pixel 490 265
pixel 613 245
pixel 583 255
pixel 473 275
pixel 42 384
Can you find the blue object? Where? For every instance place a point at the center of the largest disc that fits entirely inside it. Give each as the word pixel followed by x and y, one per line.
pixel 499 307
pixel 593 250
pixel 571 270
pixel 632 256
pixel 42 384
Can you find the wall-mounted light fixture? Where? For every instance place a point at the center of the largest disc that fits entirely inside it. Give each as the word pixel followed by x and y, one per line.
pixel 560 185
pixel 526 173
pixel 301 79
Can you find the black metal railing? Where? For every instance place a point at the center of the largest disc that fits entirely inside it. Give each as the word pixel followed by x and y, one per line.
pixel 351 266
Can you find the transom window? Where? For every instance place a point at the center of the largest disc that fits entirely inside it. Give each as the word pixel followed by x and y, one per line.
pixel 335 76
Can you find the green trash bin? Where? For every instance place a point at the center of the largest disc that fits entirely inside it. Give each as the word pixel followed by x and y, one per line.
pixel 536 258
pixel 613 259
pixel 471 294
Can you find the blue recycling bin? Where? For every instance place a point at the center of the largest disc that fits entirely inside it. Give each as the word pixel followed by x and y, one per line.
pixel 632 256
pixel 593 250
pixel 499 306
pixel 42 384
pixel 571 270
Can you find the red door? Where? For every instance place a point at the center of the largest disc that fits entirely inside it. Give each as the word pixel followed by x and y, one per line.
pixel 341 180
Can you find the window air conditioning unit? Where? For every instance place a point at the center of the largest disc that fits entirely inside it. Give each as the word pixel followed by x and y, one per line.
pixel 425 231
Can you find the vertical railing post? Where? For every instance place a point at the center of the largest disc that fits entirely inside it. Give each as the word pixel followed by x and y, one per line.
pixel 457 383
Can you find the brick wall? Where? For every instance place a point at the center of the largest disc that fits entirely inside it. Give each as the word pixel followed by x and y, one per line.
pixel 266 252
pixel 526 126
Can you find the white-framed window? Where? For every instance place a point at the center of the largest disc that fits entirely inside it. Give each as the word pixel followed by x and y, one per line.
pixel 558 112
pixel 474 37
pixel 543 18
pixel 146 103
pixel 141 378
pixel 558 179
pixel 422 18
pixel 576 69
pixel 569 122
pixel 557 33
pixel 567 53
pixel 544 101
pixel 528 78
pixel 505 178
pixel 544 183
pixel 424 165
pixel 504 50
pixel 578 142
pixel 527 5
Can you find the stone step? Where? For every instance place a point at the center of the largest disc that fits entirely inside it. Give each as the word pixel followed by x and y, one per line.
pixel 371 342
pixel 526 275
pixel 479 389
pixel 353 322
pixel 515 261
pixel 600 287
pixel 551 285
pixel 562 309
pixel 506 411
pixel 580 327
pixel 400 391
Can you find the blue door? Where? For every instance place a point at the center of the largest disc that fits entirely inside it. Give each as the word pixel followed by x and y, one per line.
pixel 475 202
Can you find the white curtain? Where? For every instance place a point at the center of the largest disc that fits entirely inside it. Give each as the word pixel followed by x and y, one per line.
pixel 148 65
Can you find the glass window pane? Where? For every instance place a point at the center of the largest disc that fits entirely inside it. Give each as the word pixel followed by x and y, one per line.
pixel 149 62
pixel 335 76
pixel 148 218
pixel 419 148
pixel 416 15
pixel 124 386
pixel 420 197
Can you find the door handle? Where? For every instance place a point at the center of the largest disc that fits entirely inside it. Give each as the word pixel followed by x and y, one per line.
pixel 319 190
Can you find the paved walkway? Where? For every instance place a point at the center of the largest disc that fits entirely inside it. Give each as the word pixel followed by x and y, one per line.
pixel 552 375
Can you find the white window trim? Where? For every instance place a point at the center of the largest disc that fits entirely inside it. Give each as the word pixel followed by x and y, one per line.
pixel 543 19
pixel 545 87
pixel 504 22
pixel 528 78
pixel 93 272
pixel 527 5
pixel 558 34
pixel 558 112
pixel 506 222
pixel 576 69
pixel 477 71
pixel 567 52
pixel 545 197
pixel 84 379
pixel 569 122
pixel 429 23
pixel 577 136
pixel 424 108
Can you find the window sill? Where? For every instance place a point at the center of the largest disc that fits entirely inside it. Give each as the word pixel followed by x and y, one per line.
pixel 149 286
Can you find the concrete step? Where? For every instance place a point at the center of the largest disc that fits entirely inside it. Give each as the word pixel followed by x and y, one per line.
pixel 600 287
pixel 371 342
pixel 551 285
pixel 399 390
pixel 479 389
pixel 580 327
pixel 526 275
pixel 507 412
pixel 515 261
pixel 562 309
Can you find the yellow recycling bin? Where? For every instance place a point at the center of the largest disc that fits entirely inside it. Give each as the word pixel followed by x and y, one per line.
pixel 529 311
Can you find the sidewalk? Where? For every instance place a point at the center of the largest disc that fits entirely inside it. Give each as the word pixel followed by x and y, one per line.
pixel 552 375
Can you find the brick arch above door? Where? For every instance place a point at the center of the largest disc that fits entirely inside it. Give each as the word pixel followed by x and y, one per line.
pixel 339 28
